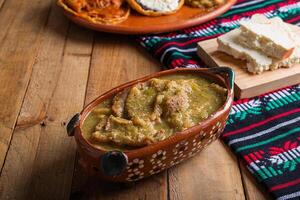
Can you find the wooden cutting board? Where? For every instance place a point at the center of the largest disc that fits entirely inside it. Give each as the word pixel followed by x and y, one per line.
pixel 247 84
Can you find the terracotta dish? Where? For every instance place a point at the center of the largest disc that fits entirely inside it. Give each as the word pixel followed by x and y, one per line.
pixel 135 164
pixel 139 24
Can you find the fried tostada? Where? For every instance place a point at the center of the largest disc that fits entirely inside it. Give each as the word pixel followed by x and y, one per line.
pixel 98 11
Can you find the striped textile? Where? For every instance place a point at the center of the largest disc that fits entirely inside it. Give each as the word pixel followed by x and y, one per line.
pixel 264 131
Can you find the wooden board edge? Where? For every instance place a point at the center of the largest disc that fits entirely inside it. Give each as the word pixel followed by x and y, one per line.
pixel 280 83
pixel 207 59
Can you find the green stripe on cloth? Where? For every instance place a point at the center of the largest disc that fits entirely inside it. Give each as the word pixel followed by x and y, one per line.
pixel 261 174
pixel 269 140
pixel 265 172
pixel 273 171
pixel 250 7
pixel 179 54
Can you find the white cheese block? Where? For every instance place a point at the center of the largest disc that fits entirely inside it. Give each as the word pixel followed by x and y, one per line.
pixel 272 36
pixel 257 61
pixel 159 5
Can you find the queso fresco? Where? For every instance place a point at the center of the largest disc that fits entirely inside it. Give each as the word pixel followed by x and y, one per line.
pixel 152 111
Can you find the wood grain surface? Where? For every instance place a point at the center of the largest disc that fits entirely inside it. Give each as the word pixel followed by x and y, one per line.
pixel 49 69
pixel 214 174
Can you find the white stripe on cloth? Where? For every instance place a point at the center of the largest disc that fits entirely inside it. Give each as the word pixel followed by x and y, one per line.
pixel 296 152
pixel 246 4
pixel 273 97
pixel 289 196
pixel 277 95
pixel 278 126
pixel 289 7
pixel 254 166
pixel 243 106
pixel 175 48
pixel 286 92
pixel 290 152
pixel 282 94
pixel 239 107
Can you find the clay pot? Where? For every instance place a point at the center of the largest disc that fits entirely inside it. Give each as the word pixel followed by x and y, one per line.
pixel 142 162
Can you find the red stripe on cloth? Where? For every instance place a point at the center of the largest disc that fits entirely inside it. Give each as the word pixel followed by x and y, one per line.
pixel 200 27
pixel 248 160
pixel 240 101
pixel 261 152
pixel 284 185
pixel 261 122
pixel 185 43
pixel 258 155
pixel 293 19
pixel 254 158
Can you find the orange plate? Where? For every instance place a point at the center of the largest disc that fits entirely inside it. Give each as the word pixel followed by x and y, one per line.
pixel 139 24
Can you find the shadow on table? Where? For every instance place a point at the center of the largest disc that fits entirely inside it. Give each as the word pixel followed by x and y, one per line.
pixel 85 187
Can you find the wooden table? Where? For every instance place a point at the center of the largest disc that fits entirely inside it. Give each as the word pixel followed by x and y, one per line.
pixel 49 69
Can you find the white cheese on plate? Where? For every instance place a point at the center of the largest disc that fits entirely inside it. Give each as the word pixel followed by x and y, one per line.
pixel 159 5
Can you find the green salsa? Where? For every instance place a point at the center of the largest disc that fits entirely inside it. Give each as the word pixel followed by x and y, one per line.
pixel 152 111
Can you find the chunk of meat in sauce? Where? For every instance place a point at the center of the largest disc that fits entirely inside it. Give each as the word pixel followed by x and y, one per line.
pixel 101 125
pixel 117 130
pixel 140 101
pixel 119 103
pixel 177 103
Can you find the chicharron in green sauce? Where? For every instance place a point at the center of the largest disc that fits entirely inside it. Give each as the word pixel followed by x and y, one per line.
pixel 152 111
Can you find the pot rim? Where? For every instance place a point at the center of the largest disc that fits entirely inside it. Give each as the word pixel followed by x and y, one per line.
pixel 170 140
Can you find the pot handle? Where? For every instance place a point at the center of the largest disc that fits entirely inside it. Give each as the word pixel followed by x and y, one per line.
pixel 227 73
pixel 72 124
pixel 113 163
